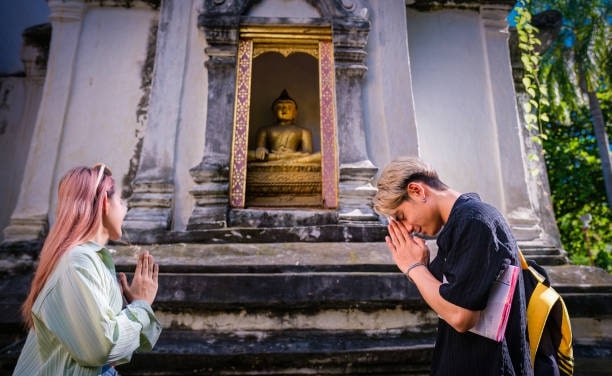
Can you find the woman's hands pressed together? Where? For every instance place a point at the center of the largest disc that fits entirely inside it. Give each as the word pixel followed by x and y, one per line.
pixel 144 283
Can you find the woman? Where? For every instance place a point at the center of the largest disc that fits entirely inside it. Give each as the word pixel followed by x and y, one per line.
pixel 74 308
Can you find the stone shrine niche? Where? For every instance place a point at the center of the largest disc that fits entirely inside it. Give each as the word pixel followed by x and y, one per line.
pixel 291 161
pixel 321 62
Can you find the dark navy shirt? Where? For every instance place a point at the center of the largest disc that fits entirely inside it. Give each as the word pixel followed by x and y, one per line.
pixel 473 247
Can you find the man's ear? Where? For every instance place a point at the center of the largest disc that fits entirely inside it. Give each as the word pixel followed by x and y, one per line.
pixel 415 190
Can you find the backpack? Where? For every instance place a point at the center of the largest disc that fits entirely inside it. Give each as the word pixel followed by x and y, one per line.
pixel 548 324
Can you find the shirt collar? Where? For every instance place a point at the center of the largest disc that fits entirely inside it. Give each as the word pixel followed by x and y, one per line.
pixel 105 254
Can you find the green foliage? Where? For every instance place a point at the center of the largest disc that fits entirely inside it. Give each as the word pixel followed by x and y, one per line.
pixel 574 169
pixel 590 246
pixel 576 181
pixel 530 58
pixel 582 54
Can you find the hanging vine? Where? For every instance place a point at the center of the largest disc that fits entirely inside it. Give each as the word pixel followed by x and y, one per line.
pixel 528 43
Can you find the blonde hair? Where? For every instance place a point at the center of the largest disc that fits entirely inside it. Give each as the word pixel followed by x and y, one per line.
pixel 78 217
pixel 395 178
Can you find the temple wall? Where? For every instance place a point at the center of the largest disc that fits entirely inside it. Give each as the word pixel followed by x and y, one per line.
pixel 456 128
pixel 101 122
pixel 390 120
pixel 415 80
pixel 20 91
pixel 438 84
pixel 14 140
pixel 443 90
pixel 112 71
pixel 190 136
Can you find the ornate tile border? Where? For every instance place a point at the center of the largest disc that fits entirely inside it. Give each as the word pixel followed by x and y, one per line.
pixel 329 148
pixel 240 139
pixel 327 103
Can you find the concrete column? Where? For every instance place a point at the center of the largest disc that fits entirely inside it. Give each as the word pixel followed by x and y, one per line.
pixel 30 218
pixel 153 187
pixel 211 176
pixel 390 121
pixel 537 175
pixel 18 115
pixel 356 169
pixel 513 172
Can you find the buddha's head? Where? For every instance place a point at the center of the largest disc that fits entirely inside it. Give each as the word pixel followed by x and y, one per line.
pixel 284 107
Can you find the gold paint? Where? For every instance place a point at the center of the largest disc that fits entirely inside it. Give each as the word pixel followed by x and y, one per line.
pixel 280 183
pixel 286 40
pixel 284 184
pixel 286 50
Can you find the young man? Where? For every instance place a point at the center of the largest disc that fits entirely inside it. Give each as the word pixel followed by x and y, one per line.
pixel 474 245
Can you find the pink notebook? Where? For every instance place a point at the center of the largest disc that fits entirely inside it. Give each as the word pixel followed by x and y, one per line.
pixel 493 319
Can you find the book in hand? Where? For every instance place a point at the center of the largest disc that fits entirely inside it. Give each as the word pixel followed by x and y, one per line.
pixel 493 319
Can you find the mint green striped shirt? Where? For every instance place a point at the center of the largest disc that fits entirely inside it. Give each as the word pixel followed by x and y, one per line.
pixel 79 323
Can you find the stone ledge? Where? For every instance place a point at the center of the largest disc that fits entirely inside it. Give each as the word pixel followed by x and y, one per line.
pixel 276 353
pixel 363 231
pixel 249 308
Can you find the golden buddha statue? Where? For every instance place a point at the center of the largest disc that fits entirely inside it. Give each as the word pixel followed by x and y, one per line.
pixel 283 170
pixel 284 142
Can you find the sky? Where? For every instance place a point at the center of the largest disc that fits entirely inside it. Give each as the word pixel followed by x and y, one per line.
pixel 15 17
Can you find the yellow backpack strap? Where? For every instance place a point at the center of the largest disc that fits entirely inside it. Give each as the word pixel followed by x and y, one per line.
pixel 524 264
pixel 565 351
pixel 540 304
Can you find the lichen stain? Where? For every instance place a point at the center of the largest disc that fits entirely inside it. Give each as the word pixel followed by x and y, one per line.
pixel 146 78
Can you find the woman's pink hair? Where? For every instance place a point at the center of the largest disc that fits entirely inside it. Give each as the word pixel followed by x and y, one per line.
pixel 78 218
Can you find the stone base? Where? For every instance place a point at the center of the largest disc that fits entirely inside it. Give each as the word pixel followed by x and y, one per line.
pixel 297 308
pixel 286 218
pixel 283 185
pixel 285 201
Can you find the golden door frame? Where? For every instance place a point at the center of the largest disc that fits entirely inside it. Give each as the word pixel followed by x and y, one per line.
pixel 315 41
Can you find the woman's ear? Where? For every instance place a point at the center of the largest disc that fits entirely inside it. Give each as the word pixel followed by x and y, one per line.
pixel 105 205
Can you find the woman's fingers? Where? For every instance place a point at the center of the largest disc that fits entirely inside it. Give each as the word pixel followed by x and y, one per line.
pixel 151 265
pixel 155 272
pixel 123 283
pixel 145 263
pixel 144 284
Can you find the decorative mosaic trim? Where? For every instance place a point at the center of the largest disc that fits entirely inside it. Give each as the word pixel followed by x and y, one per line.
pixel 241 124
pixel 327 102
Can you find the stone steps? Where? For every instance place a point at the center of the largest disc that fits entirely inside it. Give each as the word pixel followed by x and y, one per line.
pixel 296 309
pixel 287 309
pixel 285 353
pixel 545 256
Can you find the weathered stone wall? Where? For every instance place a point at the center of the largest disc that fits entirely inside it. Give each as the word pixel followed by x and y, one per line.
pixel 129 86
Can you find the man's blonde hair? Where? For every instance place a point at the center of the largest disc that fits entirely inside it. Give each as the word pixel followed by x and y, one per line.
pixel 395 178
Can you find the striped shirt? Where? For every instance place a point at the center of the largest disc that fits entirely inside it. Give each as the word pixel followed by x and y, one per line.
pixel 79 322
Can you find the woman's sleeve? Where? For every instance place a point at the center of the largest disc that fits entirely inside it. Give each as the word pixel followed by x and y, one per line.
pixel 84 312
pixel 139 316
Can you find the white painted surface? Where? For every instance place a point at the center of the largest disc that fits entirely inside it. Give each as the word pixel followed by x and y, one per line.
pixel 452 102
pixel 190 137
pixel 433 91
pixel 100 122
pixel 283 8
pixel 389 118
